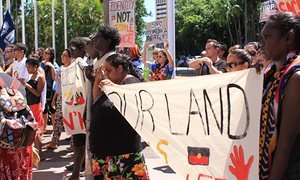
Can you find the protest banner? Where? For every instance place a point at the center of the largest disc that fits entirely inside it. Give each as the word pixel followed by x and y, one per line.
pixel 74 90
pixel 121 16
pixel 267 9
pixel 289 6
pixel 156 31
pixel 203 127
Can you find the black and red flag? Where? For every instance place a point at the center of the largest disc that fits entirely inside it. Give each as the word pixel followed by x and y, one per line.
pixel 198 155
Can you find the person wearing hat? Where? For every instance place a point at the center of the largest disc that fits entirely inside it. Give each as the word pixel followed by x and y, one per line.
pixel 135 58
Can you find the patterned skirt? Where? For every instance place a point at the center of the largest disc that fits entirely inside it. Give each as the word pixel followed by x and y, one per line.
pixel 16 164
pixel 121 167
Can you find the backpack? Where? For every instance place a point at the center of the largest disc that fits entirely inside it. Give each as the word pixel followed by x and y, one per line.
pixel 17 125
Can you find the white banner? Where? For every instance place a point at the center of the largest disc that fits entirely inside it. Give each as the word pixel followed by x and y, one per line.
pixel 74 90
pixel 121 16
pixel 203 127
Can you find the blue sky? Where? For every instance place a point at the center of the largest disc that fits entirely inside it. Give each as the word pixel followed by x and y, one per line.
pixel 150 6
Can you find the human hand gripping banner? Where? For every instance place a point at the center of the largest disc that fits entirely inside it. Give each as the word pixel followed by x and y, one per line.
pixel 203 127
pixel 74 90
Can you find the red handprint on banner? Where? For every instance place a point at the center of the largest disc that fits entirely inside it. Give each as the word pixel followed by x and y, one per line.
pixel 239 168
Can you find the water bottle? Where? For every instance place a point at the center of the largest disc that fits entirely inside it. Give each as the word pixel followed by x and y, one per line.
pixel 146 74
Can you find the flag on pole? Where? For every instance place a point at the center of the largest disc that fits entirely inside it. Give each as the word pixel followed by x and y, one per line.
pixel 7 32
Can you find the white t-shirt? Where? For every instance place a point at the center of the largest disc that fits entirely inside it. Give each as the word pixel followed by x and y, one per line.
pixel 98 62
pixel 20 70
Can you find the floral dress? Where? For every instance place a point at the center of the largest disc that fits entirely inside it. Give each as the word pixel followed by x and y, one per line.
pixel 122 167
pixel 160 73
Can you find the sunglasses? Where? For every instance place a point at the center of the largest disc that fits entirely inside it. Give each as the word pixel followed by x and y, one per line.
pixel 160 56
pixel 8 51
pixel 233 64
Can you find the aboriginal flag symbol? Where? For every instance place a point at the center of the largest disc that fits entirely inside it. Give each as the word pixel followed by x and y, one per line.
pixel 198 155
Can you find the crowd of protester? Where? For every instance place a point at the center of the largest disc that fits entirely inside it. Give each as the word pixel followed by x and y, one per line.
pixel 277 55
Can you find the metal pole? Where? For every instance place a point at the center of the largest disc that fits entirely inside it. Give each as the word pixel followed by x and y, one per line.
pixel 65 25
pixel 53 28
pixel 1 13
pixel 246 23
pixel 7 5
pixel 106 11
pixel 23 22
pixel 36 27
pixel 171 27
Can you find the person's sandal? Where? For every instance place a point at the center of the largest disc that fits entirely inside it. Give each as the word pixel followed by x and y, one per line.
pixel 69 149
pixel 50 146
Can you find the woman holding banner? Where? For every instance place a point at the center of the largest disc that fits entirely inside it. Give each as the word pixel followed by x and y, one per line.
pixel 280 120
pixel 117 154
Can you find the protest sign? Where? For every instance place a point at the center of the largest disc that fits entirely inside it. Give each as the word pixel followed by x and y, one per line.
pixel 268 8
pixel 74 90
pixel 289 6
pixel 121 16
pixel 156 31
pixel 203 127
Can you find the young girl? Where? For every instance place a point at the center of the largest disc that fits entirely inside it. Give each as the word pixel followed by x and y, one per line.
pixel 34 87
pixel 49 68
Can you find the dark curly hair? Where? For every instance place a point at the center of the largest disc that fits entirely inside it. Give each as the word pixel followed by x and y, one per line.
pixel 32 61
pixel 284 22
pixel 108 32
pixel 79 42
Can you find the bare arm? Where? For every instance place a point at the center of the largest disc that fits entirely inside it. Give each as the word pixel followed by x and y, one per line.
pixel 98 78
pixel 40 86
pixel 54 100
pixel 195 63
pixel 212 68
pixel 9 70
pixel 169 55
pixel 41 70
pixel 144 55
pixel 289 129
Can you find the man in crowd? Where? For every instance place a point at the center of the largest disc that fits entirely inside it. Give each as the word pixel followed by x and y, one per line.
pixel 211 64
pixel 19 70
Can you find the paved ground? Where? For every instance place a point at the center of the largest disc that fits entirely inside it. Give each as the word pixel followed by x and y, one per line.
pixel 53 167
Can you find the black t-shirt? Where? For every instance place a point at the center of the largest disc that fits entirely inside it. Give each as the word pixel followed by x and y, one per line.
pixel 110 133
pixel 31 98
pixel 220 65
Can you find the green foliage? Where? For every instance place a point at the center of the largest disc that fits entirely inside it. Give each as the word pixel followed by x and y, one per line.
pixel 140 12
pixel 83 18
pixel 224 20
